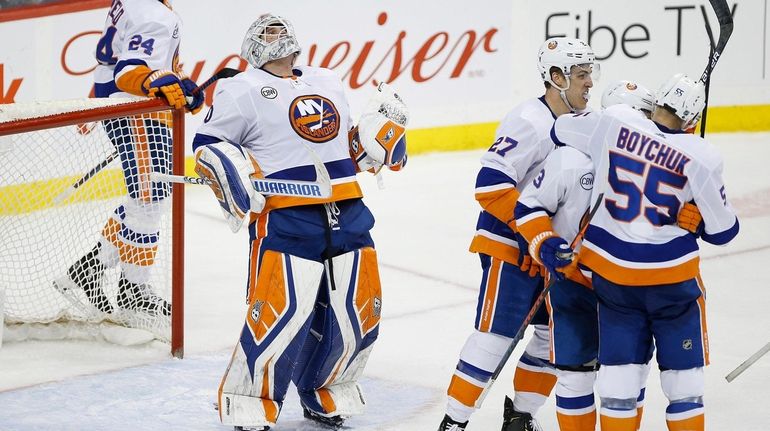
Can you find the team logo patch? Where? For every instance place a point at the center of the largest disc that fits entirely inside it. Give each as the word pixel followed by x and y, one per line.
pixel 377 306
pixel 256 310
pixel 553 44
pixel 631 86
pixel 314 118
pixel 587 181
pixel 687 344
pixel 269 92
pixel 175 35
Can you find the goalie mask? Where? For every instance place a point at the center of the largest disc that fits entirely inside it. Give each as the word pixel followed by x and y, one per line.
pixel 684 97
pixel 269 38
pixel 631 94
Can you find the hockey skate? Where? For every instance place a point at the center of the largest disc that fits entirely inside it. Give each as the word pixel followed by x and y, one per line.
pixel 140 308
pixel 334 422
pixel 141 298
pixel 448 424
pixel 259 428
pixel 517 421
pixel 85 275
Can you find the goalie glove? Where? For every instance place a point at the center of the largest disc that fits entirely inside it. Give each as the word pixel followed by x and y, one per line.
pixel 381 132
pixel 690 219
pixel 227 169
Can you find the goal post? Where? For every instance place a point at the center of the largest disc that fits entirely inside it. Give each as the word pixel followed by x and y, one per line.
pixel 60 191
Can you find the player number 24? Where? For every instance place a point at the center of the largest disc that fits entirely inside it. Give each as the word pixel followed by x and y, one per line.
pixel 654 177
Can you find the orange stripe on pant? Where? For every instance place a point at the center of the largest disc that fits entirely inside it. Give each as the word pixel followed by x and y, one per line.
pixel 463 391
pixel 584 422
pixel 695 423
pixel 488 308
pixel 703 326
pixel 532 381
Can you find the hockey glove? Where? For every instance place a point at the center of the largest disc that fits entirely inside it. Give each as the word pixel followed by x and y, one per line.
pixel 194 100
pixel 552 251
pixel 165 84
pixel 382 130
pixel 526 263
pixel 227 168
pixel 690 219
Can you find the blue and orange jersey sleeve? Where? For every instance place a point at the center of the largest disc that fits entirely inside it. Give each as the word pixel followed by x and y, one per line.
pixel 496 193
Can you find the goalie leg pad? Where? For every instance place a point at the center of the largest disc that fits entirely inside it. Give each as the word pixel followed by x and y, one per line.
pixel 277 323
pixel 345 328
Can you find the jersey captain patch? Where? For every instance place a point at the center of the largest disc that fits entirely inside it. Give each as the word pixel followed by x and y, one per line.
pixel 314 118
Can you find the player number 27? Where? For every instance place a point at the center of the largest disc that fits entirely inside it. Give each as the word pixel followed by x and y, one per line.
pixel 653 178
pixel 503 144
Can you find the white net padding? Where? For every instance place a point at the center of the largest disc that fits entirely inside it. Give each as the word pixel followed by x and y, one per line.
pixel 94 252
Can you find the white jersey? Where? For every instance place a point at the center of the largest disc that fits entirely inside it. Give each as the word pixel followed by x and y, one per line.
pixel 522 143
pixel 273 118
pixel 138 34
pixel 646 173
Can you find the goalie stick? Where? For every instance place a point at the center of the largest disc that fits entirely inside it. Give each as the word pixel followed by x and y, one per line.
pixel 725 19
pixel 537 304
pixel 321 188
pixel 225 72
pixel 747 363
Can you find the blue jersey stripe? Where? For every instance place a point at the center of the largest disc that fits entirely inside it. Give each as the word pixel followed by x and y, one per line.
pixel 490 223
pixel 641 253
pixel 473 371
pixel 337 169
pixel 575 403
pixel 122 64
pixel 490 177
pixel 724 237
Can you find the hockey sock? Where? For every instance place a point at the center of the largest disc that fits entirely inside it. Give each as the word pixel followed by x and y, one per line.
pixel 575 407
pixel 533 382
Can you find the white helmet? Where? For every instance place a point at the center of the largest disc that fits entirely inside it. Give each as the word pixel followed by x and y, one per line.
pixel 563 52
pixel 259 47
pixel 684 97
pixel 628 93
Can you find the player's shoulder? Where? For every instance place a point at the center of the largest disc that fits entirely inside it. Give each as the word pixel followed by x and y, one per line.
pixel 529 119
pixel 150 12
pixel 313 72
pixel 699 149
pixel 569 158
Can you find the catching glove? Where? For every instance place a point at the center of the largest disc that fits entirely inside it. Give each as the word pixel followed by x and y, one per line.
pixel 382 131
pixel 227 169
pixel 690 219
pixel 166 84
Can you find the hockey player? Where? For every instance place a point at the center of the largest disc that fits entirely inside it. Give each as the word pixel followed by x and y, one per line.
pixel 645 266
pixel 138 56
pixel 510 280
pixel 556 201
pixel 314 297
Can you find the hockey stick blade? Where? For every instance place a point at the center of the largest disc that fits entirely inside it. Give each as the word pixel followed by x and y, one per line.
pixel 266 186
pixel 747 363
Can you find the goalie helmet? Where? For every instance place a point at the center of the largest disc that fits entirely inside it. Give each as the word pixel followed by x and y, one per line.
pixel 269 38
pixel 631 94
pixel 684 97
pixel 564 52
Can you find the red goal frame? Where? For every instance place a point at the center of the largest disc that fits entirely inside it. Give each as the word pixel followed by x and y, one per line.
pixel 177 195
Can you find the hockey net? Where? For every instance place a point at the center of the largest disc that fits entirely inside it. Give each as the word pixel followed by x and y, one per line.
pixel 90 243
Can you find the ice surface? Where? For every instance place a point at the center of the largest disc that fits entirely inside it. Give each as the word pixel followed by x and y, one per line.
pixel 425 219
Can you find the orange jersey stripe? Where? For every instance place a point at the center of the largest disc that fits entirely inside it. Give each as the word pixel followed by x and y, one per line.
pixel 638 276
pixel 496 249
pixel 500 203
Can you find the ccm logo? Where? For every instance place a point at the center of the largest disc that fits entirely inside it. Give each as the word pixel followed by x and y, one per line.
pixel 269 92
pixel 587 181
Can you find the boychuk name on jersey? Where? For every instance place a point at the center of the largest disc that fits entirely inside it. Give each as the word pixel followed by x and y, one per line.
pixel 654 151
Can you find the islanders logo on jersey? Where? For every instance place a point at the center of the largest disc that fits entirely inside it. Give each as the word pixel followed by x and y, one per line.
pixel 315 118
